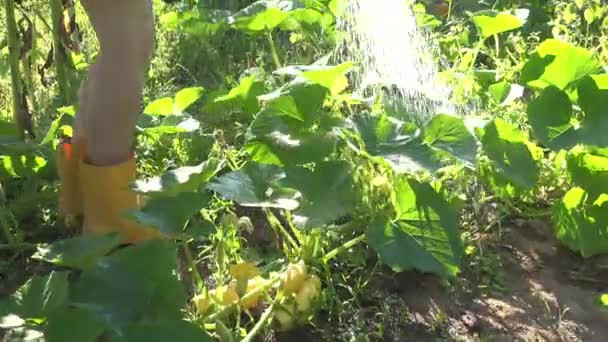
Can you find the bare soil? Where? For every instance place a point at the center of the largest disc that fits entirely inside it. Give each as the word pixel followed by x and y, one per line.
pixel 543 292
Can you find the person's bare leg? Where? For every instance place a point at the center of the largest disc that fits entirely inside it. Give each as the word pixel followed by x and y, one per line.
pixel 125 30
pixel 79 133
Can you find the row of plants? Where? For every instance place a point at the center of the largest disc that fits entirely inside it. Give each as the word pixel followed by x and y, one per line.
pixel 286 149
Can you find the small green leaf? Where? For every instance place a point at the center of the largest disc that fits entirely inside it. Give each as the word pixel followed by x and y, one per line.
pixel 329 75
pixel 604 300
pixel 491 22
pixel 51 133
pixel 160 107
pixel 170 20
pixel 186 97
pixel 243 97
pixel 79 252
pixel 504 93
pixel 337 7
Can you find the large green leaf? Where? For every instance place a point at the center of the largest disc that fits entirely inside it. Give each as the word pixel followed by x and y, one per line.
pixel 560 64
pixel 589 172
pixel 552 118
pixel 593 100
pixel 580 225
pixel 167 331
pixel 267 15
pixel 281 140
pixel 73 325
pixel 256 185
pixel 300 99
pixel 79 252
pixel 308 20
pixel 511 153
pixel 450 134
pixel 133 284
pixel 327 192
pixel 424 236
pixel 406 151
pixel 492 22
pixel 170 214
pixel 183 179
pixel 40 296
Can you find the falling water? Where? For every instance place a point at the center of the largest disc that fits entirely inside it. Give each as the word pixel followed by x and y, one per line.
pixel 391 51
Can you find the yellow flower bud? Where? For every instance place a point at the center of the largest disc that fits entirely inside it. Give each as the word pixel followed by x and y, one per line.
pixel 308 293
pixel 227 294
pixel 254 287
pixel 294 276
pixel 244 270
pixel 202 303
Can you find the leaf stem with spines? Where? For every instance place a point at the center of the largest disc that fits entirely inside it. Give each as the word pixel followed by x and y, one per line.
pixel 273 50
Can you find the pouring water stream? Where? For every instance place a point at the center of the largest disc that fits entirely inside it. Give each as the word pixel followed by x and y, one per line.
pixel 389 49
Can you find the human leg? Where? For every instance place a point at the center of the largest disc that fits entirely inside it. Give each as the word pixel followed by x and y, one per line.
pixel 125 30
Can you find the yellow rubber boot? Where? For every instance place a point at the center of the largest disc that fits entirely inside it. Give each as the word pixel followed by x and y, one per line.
pixel 107 195
pixel 69 155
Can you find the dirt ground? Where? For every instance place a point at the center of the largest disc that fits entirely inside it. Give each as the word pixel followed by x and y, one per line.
pixel 543 293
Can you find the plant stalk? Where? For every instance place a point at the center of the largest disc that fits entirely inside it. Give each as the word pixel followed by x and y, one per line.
pixel 274 221
pixel 192 265
pixel 273 50
pixel 59 52
pixel 260 324
pixel 347 245
pixel 16 85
